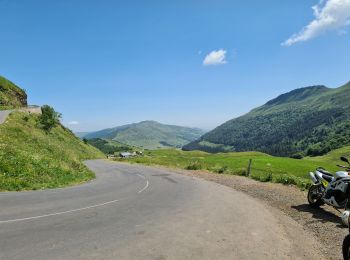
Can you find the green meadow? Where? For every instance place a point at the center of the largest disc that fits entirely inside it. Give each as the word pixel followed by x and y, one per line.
pixel 263 167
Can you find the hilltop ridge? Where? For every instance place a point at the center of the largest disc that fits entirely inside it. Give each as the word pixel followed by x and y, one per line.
pixel 149 134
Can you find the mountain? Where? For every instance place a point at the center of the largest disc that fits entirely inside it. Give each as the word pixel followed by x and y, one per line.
pixel 149 135
pixel 306 121
pixel 11 96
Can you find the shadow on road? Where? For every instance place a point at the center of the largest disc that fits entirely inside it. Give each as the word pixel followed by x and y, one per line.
pixel 320 214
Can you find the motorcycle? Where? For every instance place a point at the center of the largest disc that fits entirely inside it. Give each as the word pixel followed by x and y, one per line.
pixel 331 190
pixel 346 247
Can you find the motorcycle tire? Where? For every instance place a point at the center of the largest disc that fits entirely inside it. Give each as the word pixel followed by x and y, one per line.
pixel 346 248
pixel 314 201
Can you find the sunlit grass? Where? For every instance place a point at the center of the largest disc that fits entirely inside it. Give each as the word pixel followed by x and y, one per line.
pixel 31 158
pixel 264 167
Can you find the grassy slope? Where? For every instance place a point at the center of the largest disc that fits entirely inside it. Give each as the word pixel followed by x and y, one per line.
pixel 333 156
pixel 108 146
pixel 33 159
pixel 11 96
pixel 149 135
pixel 264 167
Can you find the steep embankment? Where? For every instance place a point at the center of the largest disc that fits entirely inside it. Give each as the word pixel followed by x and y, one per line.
pixel 149 135
pixel 307 121
pixel 31 158
pixel 11 96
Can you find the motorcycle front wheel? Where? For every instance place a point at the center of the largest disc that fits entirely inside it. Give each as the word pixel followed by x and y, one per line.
pixel 346 248
pixel 314 196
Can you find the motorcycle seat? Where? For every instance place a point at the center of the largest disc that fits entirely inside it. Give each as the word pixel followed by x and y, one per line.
pixel 327 178
pixel 323 171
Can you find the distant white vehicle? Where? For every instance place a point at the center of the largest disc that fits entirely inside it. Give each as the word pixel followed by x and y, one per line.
pixel 125 155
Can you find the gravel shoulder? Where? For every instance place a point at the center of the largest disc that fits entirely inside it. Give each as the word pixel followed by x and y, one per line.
pixel 324 223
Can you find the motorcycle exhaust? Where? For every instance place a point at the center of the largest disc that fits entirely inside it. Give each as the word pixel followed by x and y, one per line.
pixel 313 178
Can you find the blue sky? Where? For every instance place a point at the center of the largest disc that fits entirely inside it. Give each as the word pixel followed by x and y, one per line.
pixel 107 63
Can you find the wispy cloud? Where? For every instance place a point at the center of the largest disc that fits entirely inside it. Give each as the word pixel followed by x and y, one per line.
pixel 73 123
pixel 330 15
pixel 215 58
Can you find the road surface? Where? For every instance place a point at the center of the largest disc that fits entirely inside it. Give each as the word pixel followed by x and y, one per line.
pixel 137 212
pixel 30 109
pixel 4 114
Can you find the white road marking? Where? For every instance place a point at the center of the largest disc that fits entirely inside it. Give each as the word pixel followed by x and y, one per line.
pixel 74 210
pixel 59 213
pixel 144 188
pixel 147 183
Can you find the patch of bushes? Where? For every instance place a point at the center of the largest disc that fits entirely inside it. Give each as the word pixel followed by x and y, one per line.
pixel 240 172
pixel 219 169
pixel 263 177
pixel 49 118
pixel 297 156
pixel 195 165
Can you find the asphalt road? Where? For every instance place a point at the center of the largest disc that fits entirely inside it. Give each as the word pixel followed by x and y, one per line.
pixel 136 212
pixel 3 115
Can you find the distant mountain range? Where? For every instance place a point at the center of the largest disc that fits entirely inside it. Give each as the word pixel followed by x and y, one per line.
pixel 148 135
pixel 306 121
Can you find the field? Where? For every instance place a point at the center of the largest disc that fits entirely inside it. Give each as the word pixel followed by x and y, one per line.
pixel 263 168
pixel 31 158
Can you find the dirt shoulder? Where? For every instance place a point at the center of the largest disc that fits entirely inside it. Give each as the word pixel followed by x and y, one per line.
pixel 323 223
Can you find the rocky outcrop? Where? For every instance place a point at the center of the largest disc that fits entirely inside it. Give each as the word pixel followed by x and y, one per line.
pixel 11 96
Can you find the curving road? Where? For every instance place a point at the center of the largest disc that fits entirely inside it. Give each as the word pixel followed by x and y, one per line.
pixel 3 115
pixel 137 212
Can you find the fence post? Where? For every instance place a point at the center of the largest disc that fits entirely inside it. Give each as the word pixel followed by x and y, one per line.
pixel 249 167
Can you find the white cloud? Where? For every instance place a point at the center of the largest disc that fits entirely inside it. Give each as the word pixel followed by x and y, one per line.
pixel 73 123
pixel 329 15
pixel 215 58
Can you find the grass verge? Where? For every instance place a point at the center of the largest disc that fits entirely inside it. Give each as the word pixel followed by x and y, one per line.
pixel 264 167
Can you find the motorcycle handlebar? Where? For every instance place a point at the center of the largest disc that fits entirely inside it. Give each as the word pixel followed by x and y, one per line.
pixel 342 166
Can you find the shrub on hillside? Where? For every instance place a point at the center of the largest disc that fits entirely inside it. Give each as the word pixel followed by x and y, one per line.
pixel 49 118
pixel 297 156
pixel 194 166
pixel 317 150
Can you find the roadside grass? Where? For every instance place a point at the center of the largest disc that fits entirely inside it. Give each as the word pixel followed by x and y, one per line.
pixel 32 159
pixel 264 167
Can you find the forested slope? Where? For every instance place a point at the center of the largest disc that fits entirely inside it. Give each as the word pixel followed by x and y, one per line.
pixel 306 121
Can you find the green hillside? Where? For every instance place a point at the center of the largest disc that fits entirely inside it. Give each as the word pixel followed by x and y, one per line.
pixel 32 158
pixel 308 121
pixel 108 146
pixel 11 96
pixel 264 167
pixel 149 135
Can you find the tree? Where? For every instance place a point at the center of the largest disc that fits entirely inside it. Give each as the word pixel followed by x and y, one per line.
pixel 49 118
